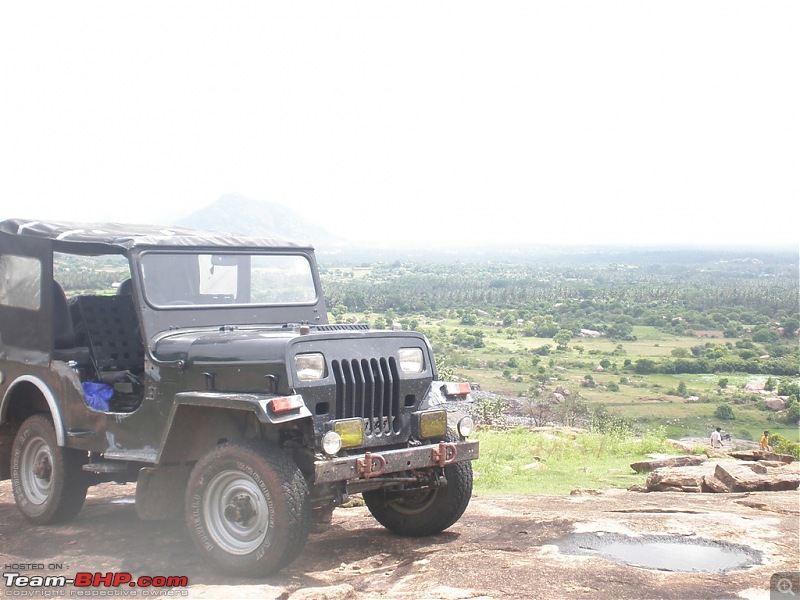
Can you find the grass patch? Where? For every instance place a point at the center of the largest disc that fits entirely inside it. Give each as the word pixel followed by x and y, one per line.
pixel 523 462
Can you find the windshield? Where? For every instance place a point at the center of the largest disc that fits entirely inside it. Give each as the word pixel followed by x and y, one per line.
pixel 192 278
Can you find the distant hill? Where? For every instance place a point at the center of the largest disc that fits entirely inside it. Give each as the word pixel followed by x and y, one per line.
pixel 238 214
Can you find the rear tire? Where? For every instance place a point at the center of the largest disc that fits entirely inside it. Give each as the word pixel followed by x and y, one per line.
pixel 48 482
pixel 248 508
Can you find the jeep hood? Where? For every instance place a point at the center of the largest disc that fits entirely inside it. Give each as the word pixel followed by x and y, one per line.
pixel 223 345
pixel 265 345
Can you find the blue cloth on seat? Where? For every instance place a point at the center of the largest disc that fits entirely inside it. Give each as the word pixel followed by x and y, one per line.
pixel 97 394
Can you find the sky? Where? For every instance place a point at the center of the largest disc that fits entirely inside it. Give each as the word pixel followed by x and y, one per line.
pixel 441 123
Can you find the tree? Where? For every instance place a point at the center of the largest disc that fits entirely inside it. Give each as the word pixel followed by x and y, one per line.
pixel 791 416
pixel 337 312
pixel 562 339
pixel 573 411
pixel 790 327
pixel 645 366
pixel 724 412
pixel 469 318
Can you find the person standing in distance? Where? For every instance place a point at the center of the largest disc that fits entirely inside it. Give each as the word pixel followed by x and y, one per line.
pixel 716 438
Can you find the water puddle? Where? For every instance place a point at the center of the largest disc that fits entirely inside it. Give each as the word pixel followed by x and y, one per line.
pixel 662 552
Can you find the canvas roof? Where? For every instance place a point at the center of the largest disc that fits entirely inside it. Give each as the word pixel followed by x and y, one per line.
pixel 122 237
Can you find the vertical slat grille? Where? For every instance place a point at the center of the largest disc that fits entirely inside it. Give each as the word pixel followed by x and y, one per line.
pixel 368 389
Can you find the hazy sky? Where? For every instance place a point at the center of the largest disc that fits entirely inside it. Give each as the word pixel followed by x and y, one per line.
pixel 445 122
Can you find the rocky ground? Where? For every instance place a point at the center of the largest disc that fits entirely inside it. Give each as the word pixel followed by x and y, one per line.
pixel 503 547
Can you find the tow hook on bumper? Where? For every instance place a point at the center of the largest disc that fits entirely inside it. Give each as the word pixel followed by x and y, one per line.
pixel 444 454
pixel 372 465
pixel 375 464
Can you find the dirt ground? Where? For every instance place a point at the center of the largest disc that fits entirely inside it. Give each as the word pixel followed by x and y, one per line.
pixel 501 548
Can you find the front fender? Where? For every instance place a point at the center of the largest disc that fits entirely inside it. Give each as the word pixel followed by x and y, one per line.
pixel 255 403
pixel 201 420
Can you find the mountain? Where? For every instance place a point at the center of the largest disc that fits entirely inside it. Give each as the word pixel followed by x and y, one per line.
pixel 238 214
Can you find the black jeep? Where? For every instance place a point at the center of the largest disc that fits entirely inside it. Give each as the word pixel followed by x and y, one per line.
pixel 209 375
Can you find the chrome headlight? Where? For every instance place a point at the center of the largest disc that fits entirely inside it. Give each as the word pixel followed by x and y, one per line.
pixel 465 426
pixel 411 360
pixel 331 443
pixel 310 367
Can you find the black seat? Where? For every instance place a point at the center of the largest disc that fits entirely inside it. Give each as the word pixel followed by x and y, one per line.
pixel 109 326
pixel 65 340
pixel 125 288
pixel 63 331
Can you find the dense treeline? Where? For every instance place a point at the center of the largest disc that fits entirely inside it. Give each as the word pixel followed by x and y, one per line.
pixel 751 300
pixel 678 299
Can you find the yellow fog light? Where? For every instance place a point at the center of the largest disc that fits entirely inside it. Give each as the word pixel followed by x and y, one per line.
pixel 351 431
pixel 432 423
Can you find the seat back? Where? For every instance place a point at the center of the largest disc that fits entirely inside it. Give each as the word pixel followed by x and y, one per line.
pixel 63 330
pixel 126 287
pixel 109 326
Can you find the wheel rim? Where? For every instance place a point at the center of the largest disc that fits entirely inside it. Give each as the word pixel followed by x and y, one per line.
pixel 36 470
pixel 235 512
pixel 414 503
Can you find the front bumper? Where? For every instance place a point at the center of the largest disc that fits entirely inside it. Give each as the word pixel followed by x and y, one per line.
pixel 374 464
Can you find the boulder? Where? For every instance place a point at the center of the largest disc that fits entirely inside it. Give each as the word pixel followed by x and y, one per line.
pixel 740 477
pixel 762 465
pixel 756 455
pixel 775 403
pixel 646 466
pixel 726 476
pixel 677 479
pixel 713 485
pixel 765 466
pixel 715 453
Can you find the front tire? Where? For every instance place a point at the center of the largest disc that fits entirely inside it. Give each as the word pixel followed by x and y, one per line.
pixel 419 513
pixel 248 508
pixel 48 482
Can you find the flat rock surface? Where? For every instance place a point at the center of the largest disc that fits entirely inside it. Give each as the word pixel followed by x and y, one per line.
pixel 503 547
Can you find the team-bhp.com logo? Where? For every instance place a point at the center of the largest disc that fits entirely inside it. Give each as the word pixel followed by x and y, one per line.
pixel 90 584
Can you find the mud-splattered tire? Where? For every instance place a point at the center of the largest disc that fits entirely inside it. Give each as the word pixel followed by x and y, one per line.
pixel 248 508
pixel 424 512
pixel 48 482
